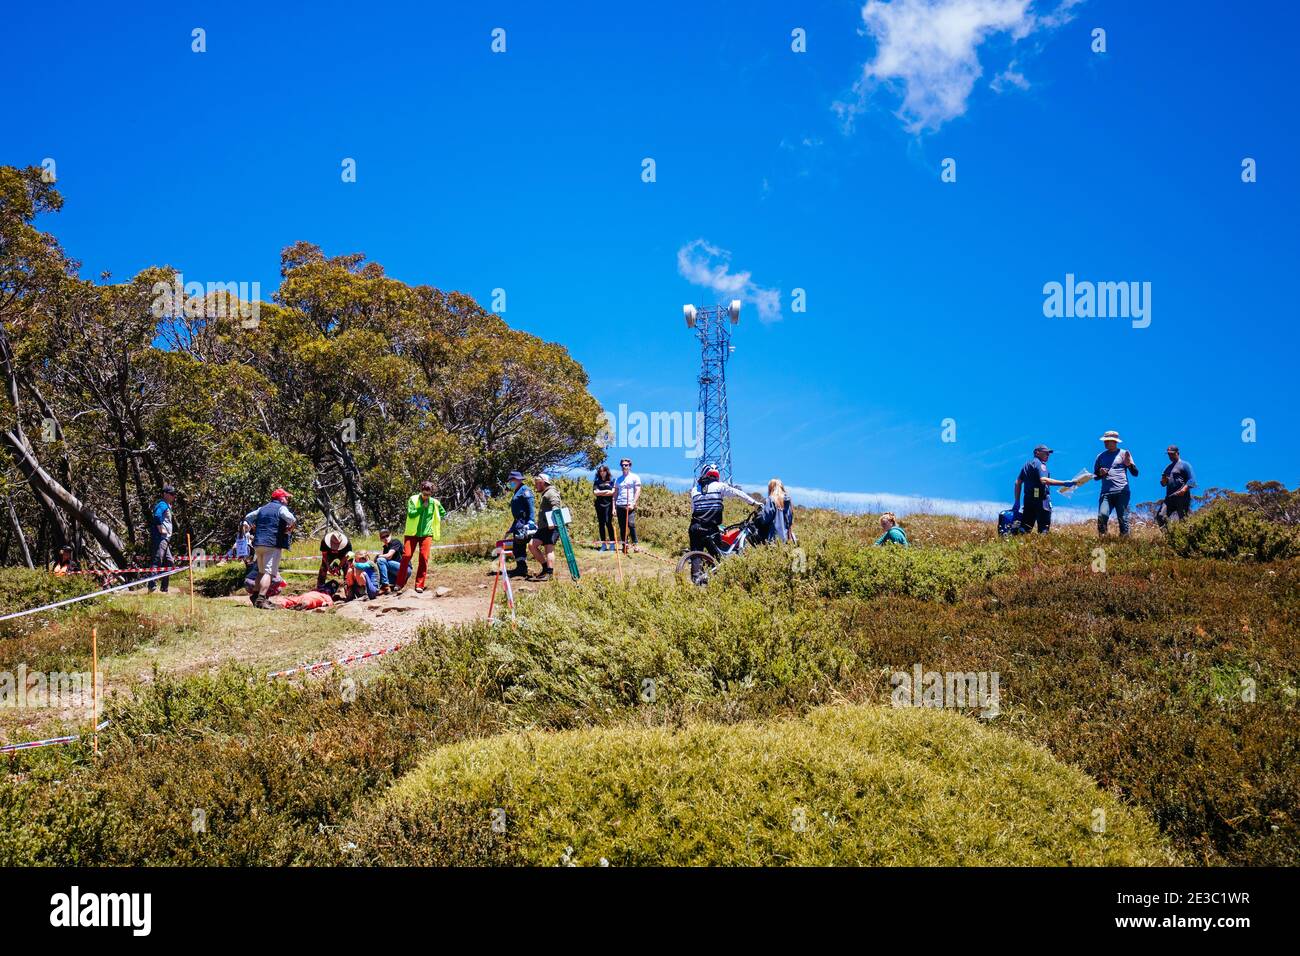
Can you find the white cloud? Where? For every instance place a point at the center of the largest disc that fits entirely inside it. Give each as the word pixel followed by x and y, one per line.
pixel 704 264
pixel 930 49
pixel 875 502
pixel 1008 78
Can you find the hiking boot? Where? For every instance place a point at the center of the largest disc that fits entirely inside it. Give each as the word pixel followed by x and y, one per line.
pixel 520 570
pixel 546 575
pixel 419 590
pixel 259 601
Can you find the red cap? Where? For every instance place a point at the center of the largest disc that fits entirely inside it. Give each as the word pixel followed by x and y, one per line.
pixel 281 494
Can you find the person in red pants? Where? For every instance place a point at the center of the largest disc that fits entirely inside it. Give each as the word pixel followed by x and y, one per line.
pixel 424 514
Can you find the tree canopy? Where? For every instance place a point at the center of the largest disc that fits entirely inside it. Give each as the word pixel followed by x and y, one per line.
pixel 348 388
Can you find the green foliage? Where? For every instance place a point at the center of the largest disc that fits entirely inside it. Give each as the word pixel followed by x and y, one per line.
pixel 843 786
pixel 221 581
pixel 21 588
pixel 1233 531
pixel 845 569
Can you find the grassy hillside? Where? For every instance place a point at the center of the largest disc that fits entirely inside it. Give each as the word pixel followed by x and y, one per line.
pixel 1168 678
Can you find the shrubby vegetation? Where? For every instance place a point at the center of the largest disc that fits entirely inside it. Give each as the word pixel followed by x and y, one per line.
pixel 840 786
pixel 1234 531
pixel 1168 680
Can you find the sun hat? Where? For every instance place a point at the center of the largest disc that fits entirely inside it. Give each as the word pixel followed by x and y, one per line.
pixel 1042 448
pixel 516 476
pixel 544 478
pixel 1111 436
pixel 333 540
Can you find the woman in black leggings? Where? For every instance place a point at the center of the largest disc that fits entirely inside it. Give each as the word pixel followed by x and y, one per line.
pixel 604 486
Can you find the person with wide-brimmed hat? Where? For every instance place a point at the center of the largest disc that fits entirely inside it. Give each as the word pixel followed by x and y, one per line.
pixel 334 547
pixel 1112 468
pixel 542 547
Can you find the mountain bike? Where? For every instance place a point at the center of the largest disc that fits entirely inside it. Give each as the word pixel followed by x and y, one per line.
pixel 697 566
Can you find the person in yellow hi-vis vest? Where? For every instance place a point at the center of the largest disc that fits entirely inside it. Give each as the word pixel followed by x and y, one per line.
pixel 424 514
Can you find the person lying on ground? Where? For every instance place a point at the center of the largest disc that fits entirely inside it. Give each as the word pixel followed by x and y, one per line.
pixel 309 601
pixel 250 582
pixel 388 561
pixel 893 531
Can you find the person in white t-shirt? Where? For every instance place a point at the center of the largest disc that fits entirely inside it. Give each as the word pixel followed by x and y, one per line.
pixel 627 489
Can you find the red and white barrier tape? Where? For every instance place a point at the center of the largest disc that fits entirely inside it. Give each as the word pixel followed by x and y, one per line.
pixel 34 744
pixel 310 668
pixel 87 597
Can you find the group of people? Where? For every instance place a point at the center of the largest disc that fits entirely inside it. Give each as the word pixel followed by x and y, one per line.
pixel 266 533
pixel 1112 468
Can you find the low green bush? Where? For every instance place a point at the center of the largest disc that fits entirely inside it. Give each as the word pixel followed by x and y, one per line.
pixel 21 589
pixel 221 581
pixel 842 569
pixel 845 785
pixel 1231 531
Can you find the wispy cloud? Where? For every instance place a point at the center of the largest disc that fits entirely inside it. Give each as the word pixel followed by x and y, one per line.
pixel 874 502
pixel 930 49
pixel 704 264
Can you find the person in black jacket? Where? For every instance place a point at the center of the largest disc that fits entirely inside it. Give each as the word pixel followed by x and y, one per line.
pixel 604 493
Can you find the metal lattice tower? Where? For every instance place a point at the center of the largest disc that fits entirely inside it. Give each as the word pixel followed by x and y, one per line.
pixel 712 326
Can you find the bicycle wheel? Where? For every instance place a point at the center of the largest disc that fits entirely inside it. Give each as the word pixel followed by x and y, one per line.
pixel 695 567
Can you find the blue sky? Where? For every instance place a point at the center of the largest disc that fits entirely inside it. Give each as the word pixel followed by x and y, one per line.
pixel 818 171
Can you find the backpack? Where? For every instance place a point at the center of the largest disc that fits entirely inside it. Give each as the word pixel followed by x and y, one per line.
pixel 1007 521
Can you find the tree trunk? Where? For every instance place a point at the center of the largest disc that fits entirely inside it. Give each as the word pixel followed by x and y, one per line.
pixel 18 532
pixel 351 476
pixel 64 507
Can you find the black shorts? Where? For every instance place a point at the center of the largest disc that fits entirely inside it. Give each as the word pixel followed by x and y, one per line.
pixel 547 535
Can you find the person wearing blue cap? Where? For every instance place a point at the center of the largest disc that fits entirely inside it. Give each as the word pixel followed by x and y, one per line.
pixel 1034 477
pixel 523 509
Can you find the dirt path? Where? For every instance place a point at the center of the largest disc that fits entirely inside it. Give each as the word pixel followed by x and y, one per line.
pixel 459 593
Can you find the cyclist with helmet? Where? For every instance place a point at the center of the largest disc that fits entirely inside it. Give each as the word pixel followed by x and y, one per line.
pixel 707 495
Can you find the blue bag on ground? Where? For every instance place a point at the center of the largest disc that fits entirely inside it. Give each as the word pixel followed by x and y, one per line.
pixel 1007 521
